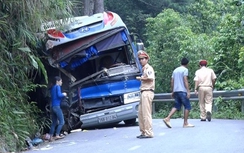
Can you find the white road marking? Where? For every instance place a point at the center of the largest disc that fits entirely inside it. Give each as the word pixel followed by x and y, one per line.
pixel 72 143
pixel 134 148
pixel 46 148
pixel 161 134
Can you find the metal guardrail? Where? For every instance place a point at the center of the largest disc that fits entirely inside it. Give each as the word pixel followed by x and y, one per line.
pixel 224 95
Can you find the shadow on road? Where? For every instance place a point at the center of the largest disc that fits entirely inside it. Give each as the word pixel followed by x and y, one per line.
pixel 117 125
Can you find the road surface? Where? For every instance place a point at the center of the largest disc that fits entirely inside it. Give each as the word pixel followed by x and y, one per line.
pixel 217 136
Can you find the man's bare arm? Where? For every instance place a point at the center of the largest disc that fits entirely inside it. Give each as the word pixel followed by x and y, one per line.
pixel 186 83
pixel 213 82
pixel 172 85
pixel 196 85
pixel 187 86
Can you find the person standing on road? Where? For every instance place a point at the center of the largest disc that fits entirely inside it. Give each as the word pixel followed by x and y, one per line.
pixel 181 93
pixel 147 94
pixel 204 84
pixel 56 111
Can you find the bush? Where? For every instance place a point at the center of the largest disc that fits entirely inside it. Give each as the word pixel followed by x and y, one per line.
pixel 221 110
pixel 163 109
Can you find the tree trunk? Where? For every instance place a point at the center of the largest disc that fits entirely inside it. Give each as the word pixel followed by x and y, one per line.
pixel 98 6
pixel 93 6
pixel 78 8
pixel 88 7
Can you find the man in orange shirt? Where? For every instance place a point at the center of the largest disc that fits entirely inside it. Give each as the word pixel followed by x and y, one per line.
pixel 204 84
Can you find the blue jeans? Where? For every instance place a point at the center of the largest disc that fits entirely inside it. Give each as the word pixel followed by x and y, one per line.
pixel 181 99
pixel 57 116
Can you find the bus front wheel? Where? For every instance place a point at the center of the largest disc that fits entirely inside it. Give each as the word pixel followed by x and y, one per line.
pixel 130 121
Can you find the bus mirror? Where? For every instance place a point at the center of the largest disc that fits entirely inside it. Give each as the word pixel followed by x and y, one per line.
pixel 135 37
pixel 132 37
pixel 140 46
pixel 139 43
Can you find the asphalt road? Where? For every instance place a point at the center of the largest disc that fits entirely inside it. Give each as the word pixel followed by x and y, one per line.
pixel 217 136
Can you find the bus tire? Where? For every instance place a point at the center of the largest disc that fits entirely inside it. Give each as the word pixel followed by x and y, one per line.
pixel 130 121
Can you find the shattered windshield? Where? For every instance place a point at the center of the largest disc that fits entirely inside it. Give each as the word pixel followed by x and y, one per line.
pixel 106 64
pixel 95 57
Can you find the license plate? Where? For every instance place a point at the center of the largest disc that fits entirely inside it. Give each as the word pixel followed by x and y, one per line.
pixel 107 118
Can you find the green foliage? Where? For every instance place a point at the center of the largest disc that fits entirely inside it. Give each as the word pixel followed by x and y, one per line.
pixel 230 84
pixel 170 40
pixel 202 29
pixel 20 63
pixel 227 46
pixel 134 13
pixel 164 45
pixel 228 109
pixel 210 30
pixel 165 108
pixel 133 17
pixel 205 15
pixel 18 123
pixel 221 110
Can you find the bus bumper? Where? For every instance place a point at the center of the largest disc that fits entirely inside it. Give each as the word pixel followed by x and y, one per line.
pixel 110 116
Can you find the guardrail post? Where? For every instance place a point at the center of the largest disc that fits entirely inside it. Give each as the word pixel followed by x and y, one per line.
pixel 153 108
pixel 215 108
pixel 242 106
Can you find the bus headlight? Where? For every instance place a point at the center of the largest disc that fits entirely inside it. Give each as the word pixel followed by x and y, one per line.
pixel 132 97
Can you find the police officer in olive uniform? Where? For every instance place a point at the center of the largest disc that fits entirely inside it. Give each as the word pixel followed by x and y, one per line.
pixel 147 94
pixel 204 84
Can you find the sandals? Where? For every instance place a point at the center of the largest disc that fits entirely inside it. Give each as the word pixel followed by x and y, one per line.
pixel 167 123
pixel 188 126
pixel 58 137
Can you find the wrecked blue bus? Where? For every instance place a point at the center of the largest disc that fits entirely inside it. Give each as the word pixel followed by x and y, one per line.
pixel 97 59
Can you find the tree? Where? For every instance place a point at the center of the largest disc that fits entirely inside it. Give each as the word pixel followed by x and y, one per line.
pixel 20 64
pixel 212 31
pixel 165 33
pixel 93 6
pixel 98 6
pixel 137 11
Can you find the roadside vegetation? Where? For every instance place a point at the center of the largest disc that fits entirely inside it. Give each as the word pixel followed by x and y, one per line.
pixel 221 110
pixel 196 29
pixel 20 64
pixel 210 30
pixel 171 29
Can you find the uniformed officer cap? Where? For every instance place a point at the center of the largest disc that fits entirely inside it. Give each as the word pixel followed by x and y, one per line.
pixel 203 62
pixel 142 54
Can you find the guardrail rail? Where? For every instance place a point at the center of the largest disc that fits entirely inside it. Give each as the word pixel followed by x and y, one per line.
pixel 225 95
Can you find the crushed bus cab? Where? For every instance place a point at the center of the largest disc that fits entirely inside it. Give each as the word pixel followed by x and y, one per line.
pixel 97 59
